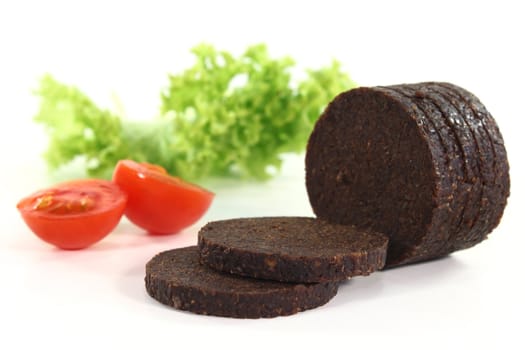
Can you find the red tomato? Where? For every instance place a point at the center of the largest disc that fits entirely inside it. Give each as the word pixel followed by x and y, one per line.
pixel 75 214
pixel 158 202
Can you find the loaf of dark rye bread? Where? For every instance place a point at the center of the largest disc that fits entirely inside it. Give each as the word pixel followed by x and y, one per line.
pixel 423 163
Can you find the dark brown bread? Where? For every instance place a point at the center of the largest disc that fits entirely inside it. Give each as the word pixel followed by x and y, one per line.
pixel 498 189
pixel 369 163
pixel 291 249
pixel 481 197
pixel 455 197
pixel 442 212
pixel 376 157
pixel 471 187
pixel 176 278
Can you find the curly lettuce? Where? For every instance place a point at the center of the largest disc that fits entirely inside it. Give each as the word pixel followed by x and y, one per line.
pixel 224 116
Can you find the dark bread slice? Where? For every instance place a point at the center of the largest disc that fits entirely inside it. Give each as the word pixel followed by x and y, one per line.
pixel 291 249
pixel 176 278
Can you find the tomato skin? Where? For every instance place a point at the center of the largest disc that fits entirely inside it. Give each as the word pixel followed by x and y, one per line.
pixel 75 214
pixel 158 202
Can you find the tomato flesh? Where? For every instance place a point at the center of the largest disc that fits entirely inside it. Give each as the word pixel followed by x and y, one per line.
pixel 158 202
pixel 74 214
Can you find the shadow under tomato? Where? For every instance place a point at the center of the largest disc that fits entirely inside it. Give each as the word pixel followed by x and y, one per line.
pixel 126 248
pixel 128 236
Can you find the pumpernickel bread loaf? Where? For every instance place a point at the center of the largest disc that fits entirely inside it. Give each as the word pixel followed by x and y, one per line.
pixel 423 163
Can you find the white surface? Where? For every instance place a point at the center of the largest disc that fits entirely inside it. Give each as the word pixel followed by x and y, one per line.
pixel 96 299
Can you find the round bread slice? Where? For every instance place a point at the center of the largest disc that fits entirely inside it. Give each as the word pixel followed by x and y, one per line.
pixel 175 278
pixel 291 249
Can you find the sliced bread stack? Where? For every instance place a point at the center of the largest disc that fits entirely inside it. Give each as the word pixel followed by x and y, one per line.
pixel 423 163
pixel 395 175
pixel 263 267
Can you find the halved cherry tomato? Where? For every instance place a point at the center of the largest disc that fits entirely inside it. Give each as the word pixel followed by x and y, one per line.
pixel 158 202
pixel 74 214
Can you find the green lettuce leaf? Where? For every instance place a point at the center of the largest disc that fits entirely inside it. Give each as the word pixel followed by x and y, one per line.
pixel 225 116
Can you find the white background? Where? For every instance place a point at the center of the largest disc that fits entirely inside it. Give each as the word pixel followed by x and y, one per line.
pixel 95 298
